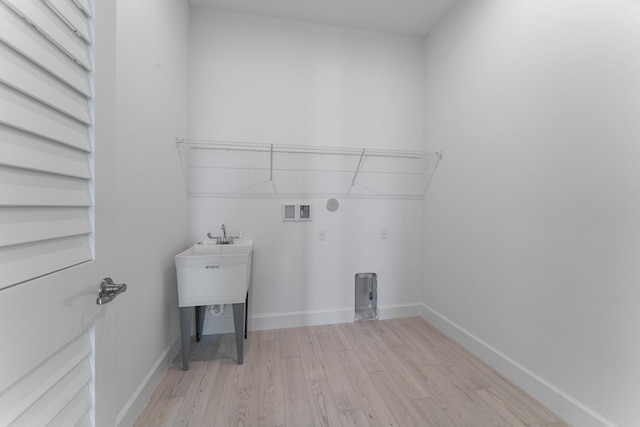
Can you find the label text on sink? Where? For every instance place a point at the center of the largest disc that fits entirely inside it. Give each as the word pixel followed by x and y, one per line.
pixel 212 267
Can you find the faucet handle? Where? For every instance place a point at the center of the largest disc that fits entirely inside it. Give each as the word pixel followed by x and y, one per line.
pixel 223 240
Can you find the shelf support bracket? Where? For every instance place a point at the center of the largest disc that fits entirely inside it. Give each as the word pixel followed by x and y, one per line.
pixel 353 181
pixel 271 165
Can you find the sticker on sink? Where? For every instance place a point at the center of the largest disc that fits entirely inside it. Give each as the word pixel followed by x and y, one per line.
pixel 212 267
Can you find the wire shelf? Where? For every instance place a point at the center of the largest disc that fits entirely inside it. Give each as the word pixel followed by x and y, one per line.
pixel 242 169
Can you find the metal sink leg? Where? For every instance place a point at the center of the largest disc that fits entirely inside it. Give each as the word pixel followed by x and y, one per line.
pixel 185 332
pixel 238 320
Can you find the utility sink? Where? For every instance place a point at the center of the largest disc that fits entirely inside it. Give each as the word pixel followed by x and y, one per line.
pixel 210 274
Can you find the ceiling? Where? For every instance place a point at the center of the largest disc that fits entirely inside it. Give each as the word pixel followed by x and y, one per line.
pixel 409 17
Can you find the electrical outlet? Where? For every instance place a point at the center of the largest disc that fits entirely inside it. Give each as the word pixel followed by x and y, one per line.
pixel 304 212
pixel 322 234
pixel 384 233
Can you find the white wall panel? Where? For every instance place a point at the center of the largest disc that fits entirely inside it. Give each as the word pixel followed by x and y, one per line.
pixel 269 80
pixel 151 210
pixel 532 233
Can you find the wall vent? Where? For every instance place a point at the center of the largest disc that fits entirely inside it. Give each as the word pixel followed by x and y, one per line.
pixel 366 293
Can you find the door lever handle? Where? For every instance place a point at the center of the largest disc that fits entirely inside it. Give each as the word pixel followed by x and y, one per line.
pixel 109 290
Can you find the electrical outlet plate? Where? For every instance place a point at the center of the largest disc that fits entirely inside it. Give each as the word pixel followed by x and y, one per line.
pixel 322 234
pixel 304 212
pixel 384 233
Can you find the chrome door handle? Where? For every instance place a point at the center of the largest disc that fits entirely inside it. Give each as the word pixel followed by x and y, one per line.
pixel 109 290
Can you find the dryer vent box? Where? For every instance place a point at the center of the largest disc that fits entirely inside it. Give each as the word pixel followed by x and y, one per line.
pixel 366 296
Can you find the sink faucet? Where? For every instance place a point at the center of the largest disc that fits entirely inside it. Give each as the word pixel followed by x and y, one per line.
pixel 224 240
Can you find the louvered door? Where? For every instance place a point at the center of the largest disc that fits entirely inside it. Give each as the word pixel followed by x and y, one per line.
pixel 56 235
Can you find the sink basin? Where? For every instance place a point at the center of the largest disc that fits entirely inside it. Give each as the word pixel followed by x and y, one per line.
pixel 211 274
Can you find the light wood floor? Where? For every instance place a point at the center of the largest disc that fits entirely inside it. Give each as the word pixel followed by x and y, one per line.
pixel 400 372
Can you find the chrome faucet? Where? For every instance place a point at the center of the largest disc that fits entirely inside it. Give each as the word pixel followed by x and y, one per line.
pixel 224 240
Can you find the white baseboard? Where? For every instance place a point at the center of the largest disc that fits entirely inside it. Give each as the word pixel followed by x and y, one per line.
pixel 570 409
pixel 300 318
pixel 397 311
pixel 132 410
pixel 262 321
pixel 314 318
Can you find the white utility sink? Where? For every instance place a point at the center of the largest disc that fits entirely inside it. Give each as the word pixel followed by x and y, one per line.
pixel 210 274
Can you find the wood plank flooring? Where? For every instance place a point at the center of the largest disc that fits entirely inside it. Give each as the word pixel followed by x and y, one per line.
pixel 398 372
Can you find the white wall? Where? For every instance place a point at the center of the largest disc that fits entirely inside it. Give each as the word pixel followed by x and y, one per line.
pixel 300 280
pixel 151 93
pixel 532 220
pixel 262 79
pixel 269 80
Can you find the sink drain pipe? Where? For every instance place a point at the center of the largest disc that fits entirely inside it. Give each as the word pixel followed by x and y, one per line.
pixel 216 310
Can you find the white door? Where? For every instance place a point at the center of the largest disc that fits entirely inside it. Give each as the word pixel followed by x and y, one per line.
pixel 56 358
